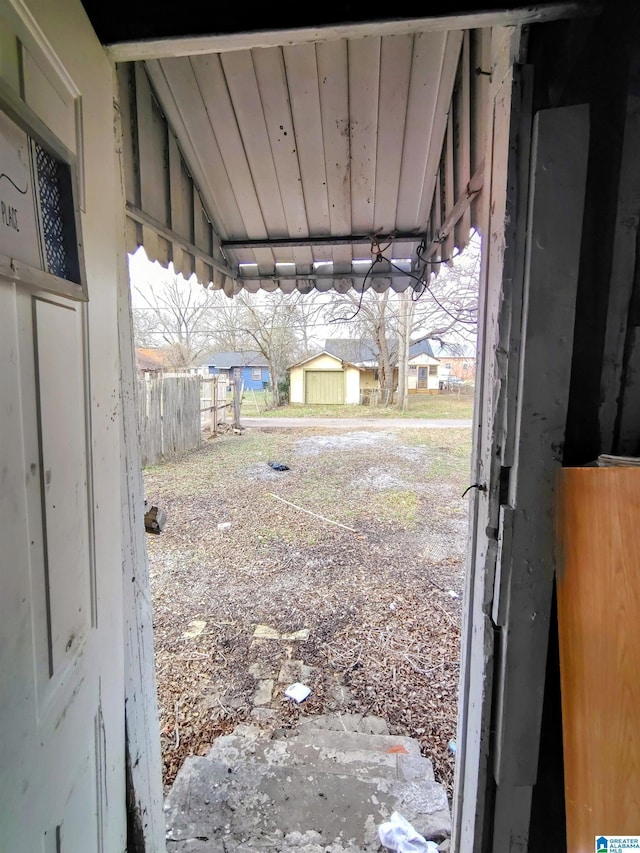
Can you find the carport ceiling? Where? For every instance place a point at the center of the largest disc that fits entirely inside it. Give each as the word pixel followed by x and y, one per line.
pixel 307 158
pixel 303 147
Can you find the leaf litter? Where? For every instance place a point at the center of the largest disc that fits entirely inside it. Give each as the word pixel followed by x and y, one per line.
pixel 383 627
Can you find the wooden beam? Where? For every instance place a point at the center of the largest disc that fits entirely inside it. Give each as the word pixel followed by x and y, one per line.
pixel 130 51
pixel 294 242
pixel 474 187
pixel 558 178
pixel 144 219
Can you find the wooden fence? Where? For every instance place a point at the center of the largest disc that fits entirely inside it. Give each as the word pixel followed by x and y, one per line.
pixel 169 420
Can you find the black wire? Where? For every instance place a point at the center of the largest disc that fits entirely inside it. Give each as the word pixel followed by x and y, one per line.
pixel 378 258
pixel 425 287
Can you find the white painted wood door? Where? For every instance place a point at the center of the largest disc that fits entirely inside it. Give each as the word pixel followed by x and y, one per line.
pixel 62 745
pixel 52 650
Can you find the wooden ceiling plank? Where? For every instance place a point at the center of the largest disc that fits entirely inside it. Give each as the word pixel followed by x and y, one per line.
pixel 426 69
pixel 395 71
pixel 178 91
pixel 215 96
pixel 462 140
pixel 437 135
pixel 364 84
pixel 302 82
pixel 250 115
pixel 333 68
pixel 157 48
pixel 272 85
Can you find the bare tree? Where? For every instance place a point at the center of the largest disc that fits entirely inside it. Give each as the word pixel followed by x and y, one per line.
pixel 274 322
pixel 174 313
pixel 444 309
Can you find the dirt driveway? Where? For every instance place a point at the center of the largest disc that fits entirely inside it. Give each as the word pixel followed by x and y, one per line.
pixel 251 594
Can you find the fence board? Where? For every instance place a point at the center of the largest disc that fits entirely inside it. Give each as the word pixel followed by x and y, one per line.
pixel 168 417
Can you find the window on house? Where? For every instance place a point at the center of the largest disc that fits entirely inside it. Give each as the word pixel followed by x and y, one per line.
pixel 433 370
pixel 413 368
pixel 256 373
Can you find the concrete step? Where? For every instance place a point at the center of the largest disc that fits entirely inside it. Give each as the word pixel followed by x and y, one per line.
pixel 366 756
pixel 364 724
pixel 254 806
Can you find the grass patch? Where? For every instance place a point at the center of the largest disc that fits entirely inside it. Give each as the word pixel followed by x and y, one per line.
pixel 428 406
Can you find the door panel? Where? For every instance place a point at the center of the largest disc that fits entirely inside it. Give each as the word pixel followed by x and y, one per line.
pixel 324 387
pixel 52 660
pixel 61 410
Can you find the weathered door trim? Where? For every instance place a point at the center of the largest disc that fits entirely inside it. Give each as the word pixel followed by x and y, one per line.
pixel 529 298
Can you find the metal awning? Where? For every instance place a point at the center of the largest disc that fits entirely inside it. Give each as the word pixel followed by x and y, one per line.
pixel 291 166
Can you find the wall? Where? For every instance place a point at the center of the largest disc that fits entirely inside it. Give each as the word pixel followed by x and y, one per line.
pixel 296 385
pixel 368 380
pixel 352 390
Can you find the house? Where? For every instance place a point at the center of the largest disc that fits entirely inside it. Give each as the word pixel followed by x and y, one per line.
pixel 423 367
pixel 150 361
pixel 422 376
pixel 324 379
pixel 457 360
pixel 361 353
pixel 251 367
pixel 122 128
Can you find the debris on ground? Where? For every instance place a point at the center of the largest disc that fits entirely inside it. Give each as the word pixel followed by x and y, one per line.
pixel 398 835
pixel 287 597
pixel 278 466
pixel 224 525
pixel 298 692
pixel 155 518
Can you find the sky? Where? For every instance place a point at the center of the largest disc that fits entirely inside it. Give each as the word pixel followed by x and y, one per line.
pixel 143 272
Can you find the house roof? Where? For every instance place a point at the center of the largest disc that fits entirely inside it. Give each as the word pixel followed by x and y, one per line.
pixel 356 351
pixel 324 352
pixel 228 360
pixel 421 348
pixel 365 353
pixel 441 349
pixel 150 358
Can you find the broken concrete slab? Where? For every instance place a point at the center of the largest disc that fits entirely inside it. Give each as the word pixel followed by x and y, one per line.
pixel 329 752
pixel 249 802
pixel 264 692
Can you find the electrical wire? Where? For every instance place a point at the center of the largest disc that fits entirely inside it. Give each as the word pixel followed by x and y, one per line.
pixel 378 259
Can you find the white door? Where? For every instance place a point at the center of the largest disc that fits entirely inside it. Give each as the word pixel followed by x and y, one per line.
pixel 62 776
pixel 52 732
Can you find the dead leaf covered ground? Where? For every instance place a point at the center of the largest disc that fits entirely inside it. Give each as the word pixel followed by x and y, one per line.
pixel 378 600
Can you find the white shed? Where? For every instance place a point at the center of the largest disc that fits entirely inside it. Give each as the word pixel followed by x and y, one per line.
pixel 324 379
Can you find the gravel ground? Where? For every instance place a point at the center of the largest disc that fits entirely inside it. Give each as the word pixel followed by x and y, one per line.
pixel 380 596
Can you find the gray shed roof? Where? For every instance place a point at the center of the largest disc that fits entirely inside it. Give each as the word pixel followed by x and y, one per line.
pixel 227 360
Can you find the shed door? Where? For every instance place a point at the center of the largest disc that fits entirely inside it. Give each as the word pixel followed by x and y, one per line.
pixel 324 387
pixel 54 653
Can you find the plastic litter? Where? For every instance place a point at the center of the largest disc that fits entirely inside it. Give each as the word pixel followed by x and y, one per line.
pixel 298 692
pixel 224 525
pixel 452 747
pixel 398 835
pixel 453 594
pixel 278 466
